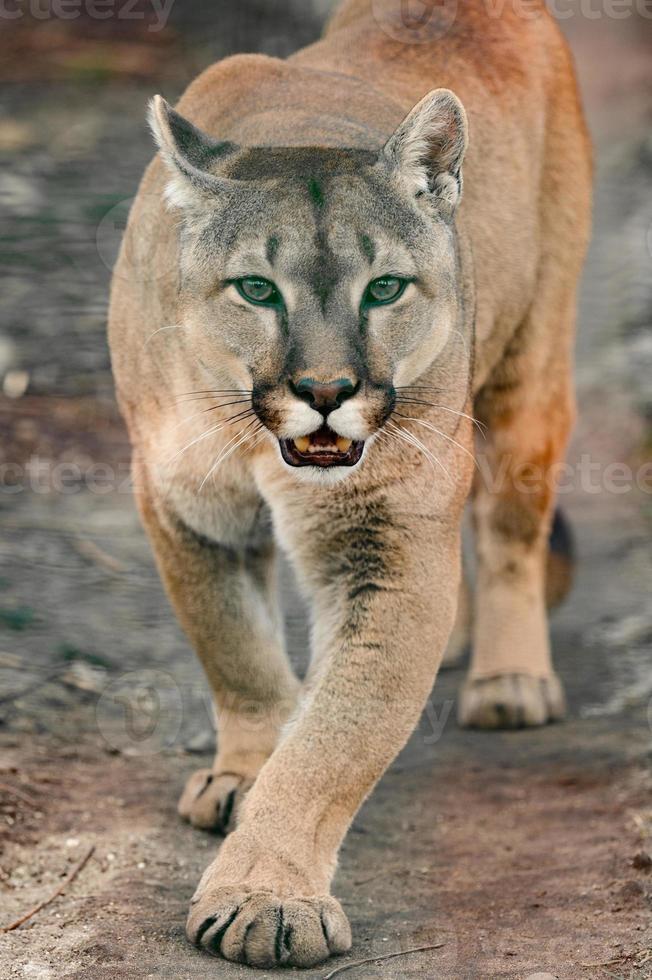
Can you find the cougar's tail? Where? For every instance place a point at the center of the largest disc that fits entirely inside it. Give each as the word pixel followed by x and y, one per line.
pixel 561 561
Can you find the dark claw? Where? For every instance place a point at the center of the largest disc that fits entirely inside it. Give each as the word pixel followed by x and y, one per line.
pixel 201 792
pixel 204 927
pixel 282 944
pixel 324 930
pixel 226 811
pixel 215 944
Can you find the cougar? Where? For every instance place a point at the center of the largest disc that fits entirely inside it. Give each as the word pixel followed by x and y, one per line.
pixel 337 269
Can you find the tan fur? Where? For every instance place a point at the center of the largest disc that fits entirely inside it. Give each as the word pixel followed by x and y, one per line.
pixel 378 552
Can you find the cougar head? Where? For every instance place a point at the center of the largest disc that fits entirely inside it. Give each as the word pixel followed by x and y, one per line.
pixel 319 279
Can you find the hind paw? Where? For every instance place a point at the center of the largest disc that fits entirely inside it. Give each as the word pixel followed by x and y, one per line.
pixel 511 701
pixel 210 800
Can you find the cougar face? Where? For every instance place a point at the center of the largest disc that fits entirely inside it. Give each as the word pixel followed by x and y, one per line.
pixel 319 280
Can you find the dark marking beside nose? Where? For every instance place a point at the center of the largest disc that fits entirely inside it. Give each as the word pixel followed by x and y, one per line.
pixel 324 395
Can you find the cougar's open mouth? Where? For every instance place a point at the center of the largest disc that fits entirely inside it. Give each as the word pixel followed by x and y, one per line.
pixel 321 448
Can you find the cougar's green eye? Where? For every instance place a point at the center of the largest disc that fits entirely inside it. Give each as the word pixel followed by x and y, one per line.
pixel 387 289
pixel 258 291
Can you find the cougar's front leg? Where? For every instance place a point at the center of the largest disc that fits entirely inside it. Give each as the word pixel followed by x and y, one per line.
pixel 225 599
pixel 383 569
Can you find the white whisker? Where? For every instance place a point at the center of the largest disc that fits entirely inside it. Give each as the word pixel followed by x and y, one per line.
pixel 433 428
pixel 412 440
pixel 243 437
pixel 451 411
pixel 463 339
pixel 176 326
pixel 198 415
pixel 204 435
pixel 397 439
pixel 407 438
pixel 189 418
pixel 259 438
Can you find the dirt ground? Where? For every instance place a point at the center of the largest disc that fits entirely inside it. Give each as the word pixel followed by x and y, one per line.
pixel 518 855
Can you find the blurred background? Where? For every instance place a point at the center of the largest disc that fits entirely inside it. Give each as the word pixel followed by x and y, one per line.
pixel 524 853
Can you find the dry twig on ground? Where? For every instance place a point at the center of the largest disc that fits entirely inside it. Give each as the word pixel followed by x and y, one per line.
pixel 379 959
pixel 59 891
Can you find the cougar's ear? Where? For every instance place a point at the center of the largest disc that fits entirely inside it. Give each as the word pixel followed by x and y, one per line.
pixel 428 147
pixel 190 155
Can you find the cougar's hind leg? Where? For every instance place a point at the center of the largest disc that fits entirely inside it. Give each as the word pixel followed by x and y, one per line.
pixel 528 408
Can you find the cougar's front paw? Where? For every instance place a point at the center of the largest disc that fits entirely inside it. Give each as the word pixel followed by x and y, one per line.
pixel 511 701
pixel 261 929
pixel 257 907
pixel 210 800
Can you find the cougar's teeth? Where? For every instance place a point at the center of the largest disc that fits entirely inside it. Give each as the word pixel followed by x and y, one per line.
pixel 344 444
pixel 302 444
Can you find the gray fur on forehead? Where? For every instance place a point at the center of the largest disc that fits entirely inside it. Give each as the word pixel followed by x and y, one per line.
pixel 307 163
pixel 339 185
pixel 339 188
